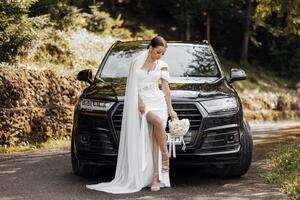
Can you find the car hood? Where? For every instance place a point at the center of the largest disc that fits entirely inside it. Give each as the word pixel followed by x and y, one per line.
pixel 181 88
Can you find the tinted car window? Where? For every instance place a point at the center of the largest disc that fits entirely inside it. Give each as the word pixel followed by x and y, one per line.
pixel 184 60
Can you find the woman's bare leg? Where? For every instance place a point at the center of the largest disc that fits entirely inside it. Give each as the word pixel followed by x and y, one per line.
pixel 155 158
pixel 160 136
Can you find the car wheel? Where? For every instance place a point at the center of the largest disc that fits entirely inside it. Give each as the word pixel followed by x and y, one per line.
pixel 239 169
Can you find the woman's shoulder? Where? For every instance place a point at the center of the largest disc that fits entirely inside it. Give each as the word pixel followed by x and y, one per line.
pixel 162 64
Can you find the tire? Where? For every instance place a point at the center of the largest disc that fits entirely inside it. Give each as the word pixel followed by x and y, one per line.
pixel 78 168
pixel 239 169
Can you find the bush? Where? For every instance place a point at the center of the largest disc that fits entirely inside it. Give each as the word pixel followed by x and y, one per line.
pixel 35 106
pixel 145 34
pixel 51 46
pixel 67 17
pixel 16 28
pixel 102 23
pixel 285 169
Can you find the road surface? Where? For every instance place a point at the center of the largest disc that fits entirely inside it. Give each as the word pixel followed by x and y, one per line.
pixel 47 174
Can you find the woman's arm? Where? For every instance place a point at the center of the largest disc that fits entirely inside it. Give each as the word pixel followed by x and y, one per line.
pixel 141 105
pixel 166 90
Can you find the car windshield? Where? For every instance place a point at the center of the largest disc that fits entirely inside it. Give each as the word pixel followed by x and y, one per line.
pixel 184 60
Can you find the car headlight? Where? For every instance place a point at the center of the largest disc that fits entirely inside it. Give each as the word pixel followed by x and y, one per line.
pixel 89 104
pixel 220 105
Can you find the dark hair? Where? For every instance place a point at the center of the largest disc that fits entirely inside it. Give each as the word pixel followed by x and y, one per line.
pixel 157 41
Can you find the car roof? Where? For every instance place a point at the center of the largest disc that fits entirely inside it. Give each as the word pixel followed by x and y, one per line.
pixel 146 42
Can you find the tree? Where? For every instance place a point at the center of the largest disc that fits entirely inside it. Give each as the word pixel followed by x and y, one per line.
pixel 247 32
pixel 280 17
pixel 278 32
pixel 16 27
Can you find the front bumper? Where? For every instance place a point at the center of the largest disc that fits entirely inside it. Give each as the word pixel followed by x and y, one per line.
pixel 212 139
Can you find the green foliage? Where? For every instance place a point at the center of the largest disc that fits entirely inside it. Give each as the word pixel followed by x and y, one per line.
pixel 12 11
pixel 274 36
pixel 285 169
pixel 62 15
pixel 285 52
pixel 67 17
pixel 280 17
pixel 278 36
pixel 226 18
pixel 102 23
pixel 42 7
pixel 145 33
pixel 36 38
pixel 51 46
pixel 16 28
pixel 279 54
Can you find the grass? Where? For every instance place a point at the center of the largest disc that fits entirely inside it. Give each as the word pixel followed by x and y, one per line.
pixel 258 78
pixel 285 169
pixel 49 144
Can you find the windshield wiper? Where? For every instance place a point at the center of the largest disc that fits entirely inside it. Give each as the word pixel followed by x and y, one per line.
pixel 97 79
pixel 197 75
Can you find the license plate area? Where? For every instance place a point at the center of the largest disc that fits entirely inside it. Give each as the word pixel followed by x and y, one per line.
pixel 187 138
pixel 177 140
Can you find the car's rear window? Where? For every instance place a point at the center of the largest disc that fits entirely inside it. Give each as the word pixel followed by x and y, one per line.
pixel 184 60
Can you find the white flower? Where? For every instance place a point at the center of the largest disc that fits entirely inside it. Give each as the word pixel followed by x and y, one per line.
pixel 178 127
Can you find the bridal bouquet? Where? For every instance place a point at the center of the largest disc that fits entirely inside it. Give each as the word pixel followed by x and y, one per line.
pixel 177 128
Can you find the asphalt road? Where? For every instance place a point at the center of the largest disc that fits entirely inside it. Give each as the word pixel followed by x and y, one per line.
pixel 47 174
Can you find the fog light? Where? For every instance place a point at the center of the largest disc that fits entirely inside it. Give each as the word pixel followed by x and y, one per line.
pixel 230 138
pixel 84 139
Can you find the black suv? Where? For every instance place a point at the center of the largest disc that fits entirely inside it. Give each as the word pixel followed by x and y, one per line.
pixel 218 134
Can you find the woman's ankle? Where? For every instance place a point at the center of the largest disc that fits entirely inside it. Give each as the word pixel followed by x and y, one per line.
pixel 155 177
pixel 165 153
pixel 165 162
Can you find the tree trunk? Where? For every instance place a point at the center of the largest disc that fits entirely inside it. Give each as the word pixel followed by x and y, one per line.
pixel 187 21
pixel 112 7
pixel 208 28
pixel 244 53
pixel 139 5
pixel 181 20
pixel 188 29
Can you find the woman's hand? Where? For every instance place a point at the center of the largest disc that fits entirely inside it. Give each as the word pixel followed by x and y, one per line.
pixel 141 107
pixel 173 114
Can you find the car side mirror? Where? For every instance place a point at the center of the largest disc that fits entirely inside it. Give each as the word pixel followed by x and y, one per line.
pixel 237 75
pixel 85 75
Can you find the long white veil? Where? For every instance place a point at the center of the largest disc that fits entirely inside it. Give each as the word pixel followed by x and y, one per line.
pixel 134 164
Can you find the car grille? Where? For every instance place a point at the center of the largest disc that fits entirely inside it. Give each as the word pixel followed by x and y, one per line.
pixel 191 112
pixel 117 118
pixel 184 110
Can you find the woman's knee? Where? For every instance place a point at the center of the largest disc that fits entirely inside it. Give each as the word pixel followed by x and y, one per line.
pixel 158 123
pixel 154 119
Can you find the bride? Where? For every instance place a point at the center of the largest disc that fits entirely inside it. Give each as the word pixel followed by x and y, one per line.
pixel 143 158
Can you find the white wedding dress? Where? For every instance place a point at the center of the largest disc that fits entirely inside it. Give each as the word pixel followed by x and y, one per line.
pixel 134 169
